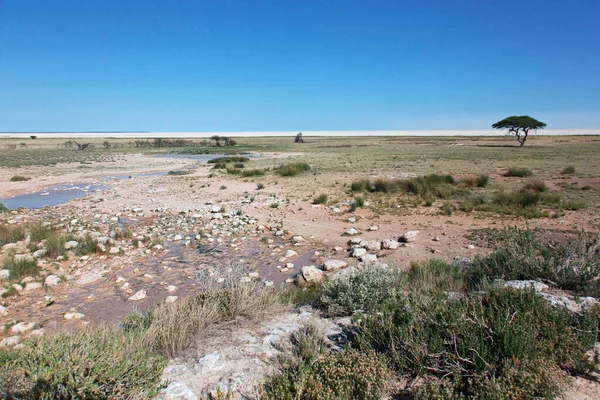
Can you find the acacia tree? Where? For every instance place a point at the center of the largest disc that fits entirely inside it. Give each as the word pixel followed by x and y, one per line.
pixel 519 126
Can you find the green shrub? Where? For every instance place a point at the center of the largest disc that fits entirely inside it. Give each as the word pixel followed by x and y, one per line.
pixel 360 201
pixel 447 208
pixel 518 172
pixel 54 243
pixel 570 169
pixel 292 169
pixel 20 268
pixel 320 199
pixel 478 335
pixel 19 178
pixel 360 186
pixel 228 160
pixel 535 186
pixel 435 275
pixel 178 172
pixel 89 364
pixel 11 233
pixel 260 186
pixel 87 245
pixel 337 376
pixel 366 291
pixel 482 181
pixel 353 206
pixel 569 266
pixel 238 165
pixel 37 233
pixel 4 209
pixel 253 172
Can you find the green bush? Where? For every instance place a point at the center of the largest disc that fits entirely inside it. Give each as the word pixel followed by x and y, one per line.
pixel 569 266
pixel 292 169
pixel 518 172
pixel 260 186
pixel 55 244
pixel 11 233
pixel 435 275
pixel 19 178
pixel 4 209
pixel 360 201
pixel 336 376
pixel 20 268
pixel 87 245
pixel 535 186
pixel 477 336
pixel 89 364
pixel 178 172
pixel 482 181
pixel 568 170
pixel 228 160
pixel 320 199
pixel 366 291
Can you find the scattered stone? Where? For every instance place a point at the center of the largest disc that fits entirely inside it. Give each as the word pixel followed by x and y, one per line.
pixel 23 257
pixel 22 327
pixel 352 232
pixel 290 254
pixel 368 258
pixel 73 315
pixel 373 228
pixel 171 299
pixel 114 250
pixel 10 341
pixel 29 286
pixel 269 283
pixel 171 288
pixel 254 275
pixel 4 274
pixel 297 239
pixel 356 241
pixel 71 244
pixel 311 274
pixel 177 391
pixel 177 238
pixel 210 362
pixel 358 252
pixel 334 265
pixel 139 295
pixel 39 253
pixel 470 247
pixel 390 244
pixel 371 245
pixel 537 286
pixel 3 311
pixel 52 280
pixel 409 236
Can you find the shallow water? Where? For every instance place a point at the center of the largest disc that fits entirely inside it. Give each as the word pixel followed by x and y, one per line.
pixel 63 193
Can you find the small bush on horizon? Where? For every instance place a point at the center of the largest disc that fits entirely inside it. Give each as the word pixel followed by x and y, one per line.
pixel 518 172
pixel 19 178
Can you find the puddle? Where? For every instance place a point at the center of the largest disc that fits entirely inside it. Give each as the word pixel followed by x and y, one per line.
pixel 63 193
pixel 53 195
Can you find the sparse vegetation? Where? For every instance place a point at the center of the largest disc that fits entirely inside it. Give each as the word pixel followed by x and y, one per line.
pixel 19 178
pixel 292 169
pixel 518 172
pixel 20 268
pixel 320 199
pixel 11 233
pixel 568 170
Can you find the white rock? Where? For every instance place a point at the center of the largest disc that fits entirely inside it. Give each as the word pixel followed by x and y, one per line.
pixel 215 209
pixel 334 265
pixel 177 391
pixel 4 274
pixel 210 362
pixel 254 275
pixel 73 315
pixel 114 250
pixel 311 274
pixel 373 228
pixel 171 288
pixel 23 257
pixel 177 238
pixel 22 327
pixel 470 247
pixel 358 252
pixel 105 240
pixel 352 232
pixel 390 244
pixel 3 311
pixel 52 280
pixel 269 283
pixel 10 341
pixel 371 245
pixel 297 239
pixel 290 254
pixel 39 253
pixel 32 286
pixel 171 299
pixel 537 286
pixel 409 236
pixel 139 295
pixel 368 258
pixel 71 244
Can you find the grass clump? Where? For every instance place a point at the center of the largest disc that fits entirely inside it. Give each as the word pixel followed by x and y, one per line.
pixel 568 170
pixel 480 181
pixel 436 275
pixel 171 327
pixel 19 178
pixel 228 160
pixel 11 233
pixel 246 172
pixel 363 291
pixel 178 172
pixel 98 364
pixel 433 185
pixel 260 186
pixel 320 199
pixel 518 172
pixel 87 245
pixel 20 268
pixel 3 208
pixel 569 266
pixel 292 169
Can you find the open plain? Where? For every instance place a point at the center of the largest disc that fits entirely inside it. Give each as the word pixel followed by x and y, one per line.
pixel 152 226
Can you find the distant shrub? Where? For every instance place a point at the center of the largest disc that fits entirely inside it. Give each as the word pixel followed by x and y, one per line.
pixel 238 165
pixel 19 178
pixel 482 181
pixel 518 172
pixel 227 160
pixel 447 209
pixel 54 243
pixel 429 185
pixel 360 201
pixel 3 208
pixel 178 172
pixel 360 186
pixel 568 170
pixel 260 186
pixel 274 205
pixel 292 169
pixel 87 245
pixel 320 199
pixel 98 364
pixel 253 172
pixel 365 291
pixel 535 186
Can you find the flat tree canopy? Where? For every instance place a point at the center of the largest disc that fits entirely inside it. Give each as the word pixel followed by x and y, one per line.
pixel 519 126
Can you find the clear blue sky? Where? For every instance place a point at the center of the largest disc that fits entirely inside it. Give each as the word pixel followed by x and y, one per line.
pixel 296 65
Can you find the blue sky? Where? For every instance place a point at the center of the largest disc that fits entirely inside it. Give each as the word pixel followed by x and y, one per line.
pixel 296 65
